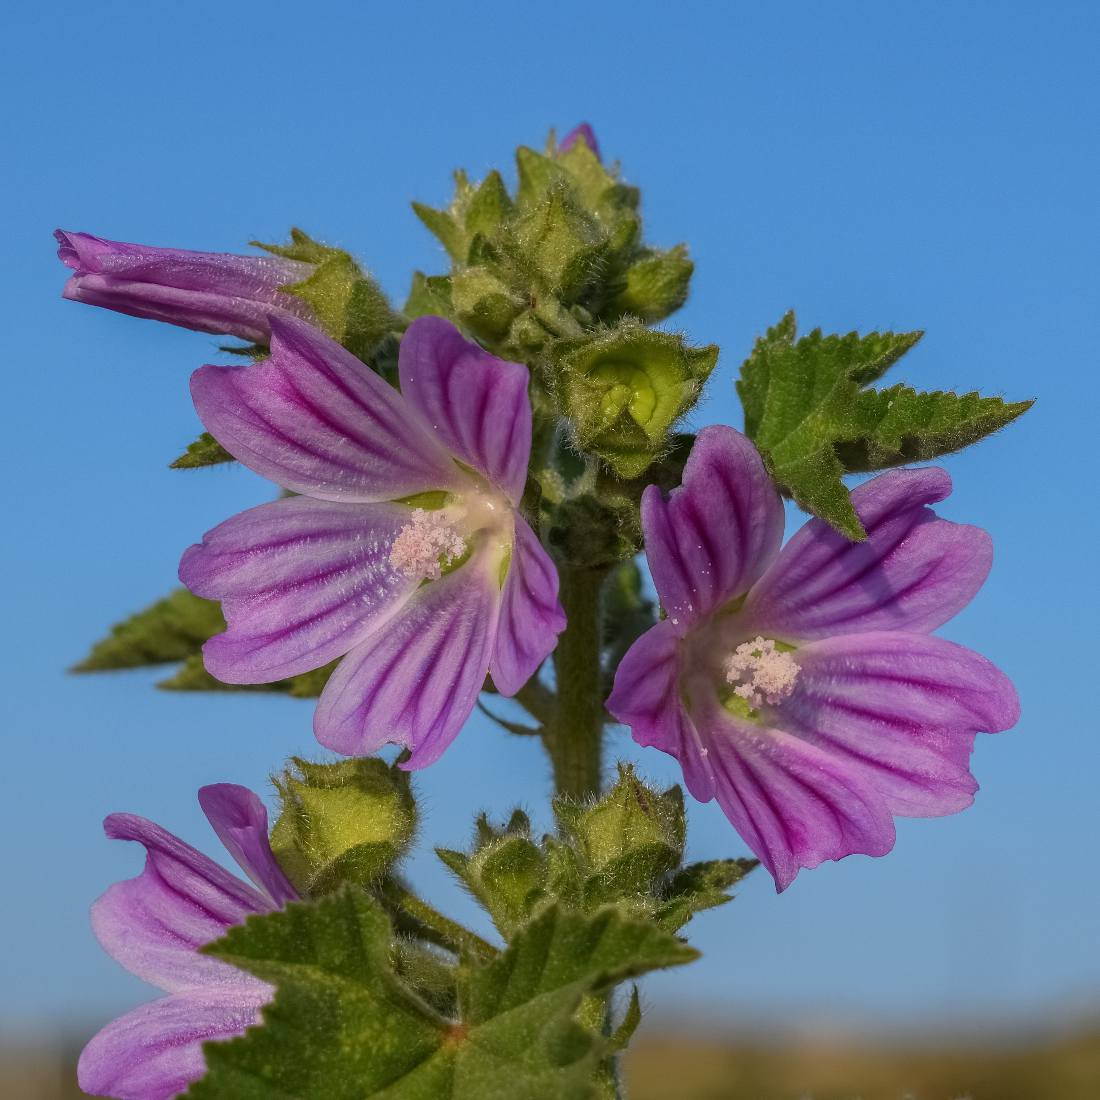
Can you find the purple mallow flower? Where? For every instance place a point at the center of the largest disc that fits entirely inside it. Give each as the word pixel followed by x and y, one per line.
pixel 208 291
pixel 154 925
pixel 406 550
pixel 585 131
pixel 802 688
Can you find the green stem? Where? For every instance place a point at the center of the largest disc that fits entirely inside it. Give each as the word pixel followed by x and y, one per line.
pixel 574 738
pixel 441 930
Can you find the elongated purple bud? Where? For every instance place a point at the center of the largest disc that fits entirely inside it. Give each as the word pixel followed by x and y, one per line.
pixel 584 130
pixel 207 291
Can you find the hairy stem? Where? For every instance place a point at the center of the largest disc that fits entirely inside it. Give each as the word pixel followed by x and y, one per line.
pixel 574 736
pixel 433 925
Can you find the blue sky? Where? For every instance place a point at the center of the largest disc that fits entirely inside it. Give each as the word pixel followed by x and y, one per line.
pixel 873 166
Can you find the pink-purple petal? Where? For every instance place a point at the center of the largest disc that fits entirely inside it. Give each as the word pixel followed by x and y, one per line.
pixel 155 1052
pixel 153 924
pixel 239 818
pixel 531 618
pixel 717 533
pixel 217 272
pixel 315 419
pixel 904 709
pixel 794 804
pixel 646 697
pixel 475 403
pixel 582 131
pixel 301 582
pixel 189 309
pixel 207 291
pixel 913 573
pixel 415 682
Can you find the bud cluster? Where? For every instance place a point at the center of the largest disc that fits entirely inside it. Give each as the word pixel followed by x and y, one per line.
pixel 558 275
pixel 624 849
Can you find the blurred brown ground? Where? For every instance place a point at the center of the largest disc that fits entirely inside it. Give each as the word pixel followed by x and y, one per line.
pixel 674 1068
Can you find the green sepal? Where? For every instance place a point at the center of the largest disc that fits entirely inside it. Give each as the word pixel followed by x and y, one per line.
pixel 489 206
pixel 536 175
pixel 624 1032
pixel 205 451
pixel 342 823
pixel 484 304
pixel 444 228
pixel 630 839
pixel 624 849
pixel 505 871
pixel 583 531
pixel 624 388
pixel 808 414
pixel 345 1023
pixel 347 303
pixel 563 243
pixel 601 191
pixel 592 517
pixel 429 296
pixel 700 886
pixel 301 247
pixel 248 351
pixel 655 285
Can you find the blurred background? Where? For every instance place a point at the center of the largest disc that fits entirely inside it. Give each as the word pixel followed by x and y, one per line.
pixel 895 166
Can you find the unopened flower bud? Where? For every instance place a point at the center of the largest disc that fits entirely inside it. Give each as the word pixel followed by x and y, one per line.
pixel 342 822
pixel 207 291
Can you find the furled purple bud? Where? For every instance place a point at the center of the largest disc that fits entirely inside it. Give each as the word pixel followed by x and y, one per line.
pixel 585 131
pixel 208 291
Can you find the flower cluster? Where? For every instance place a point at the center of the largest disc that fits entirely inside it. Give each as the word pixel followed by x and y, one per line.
pixel 800 685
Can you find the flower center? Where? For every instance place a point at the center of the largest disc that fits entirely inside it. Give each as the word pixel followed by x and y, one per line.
pixel 426 544
pixel 760 673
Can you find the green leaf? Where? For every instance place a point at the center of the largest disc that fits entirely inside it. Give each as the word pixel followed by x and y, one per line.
pixel 903 425
pixel 172 629
pixel 192 676
pixel 345 1025
pixel 205 451
pixel 808 414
